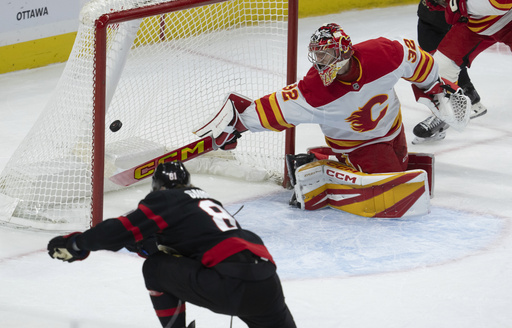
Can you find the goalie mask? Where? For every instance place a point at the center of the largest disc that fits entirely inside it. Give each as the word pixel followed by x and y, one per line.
pixel 330 48
pixel 170 175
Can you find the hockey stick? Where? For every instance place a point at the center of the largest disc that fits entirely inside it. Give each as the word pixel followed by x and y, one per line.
pixel 175 315
pixel 145 170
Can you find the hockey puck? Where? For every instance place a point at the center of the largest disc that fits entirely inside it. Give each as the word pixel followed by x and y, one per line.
pixel 115 126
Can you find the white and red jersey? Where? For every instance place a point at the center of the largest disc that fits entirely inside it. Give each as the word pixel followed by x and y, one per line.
pixel 350 114
pixel 486 17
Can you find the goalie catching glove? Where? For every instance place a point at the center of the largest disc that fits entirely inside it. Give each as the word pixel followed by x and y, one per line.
pixel 64 248
pixel 447 101
pixel 226 127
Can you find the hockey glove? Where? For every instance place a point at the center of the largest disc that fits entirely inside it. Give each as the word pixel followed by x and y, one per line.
pixel 447 101
pixel 226 126
pixel 64 248
pixel 456 12
pixel 145 247
pixel 438 89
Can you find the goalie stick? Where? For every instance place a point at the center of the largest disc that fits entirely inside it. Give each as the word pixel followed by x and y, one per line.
pixel 145 170
pixel 227 117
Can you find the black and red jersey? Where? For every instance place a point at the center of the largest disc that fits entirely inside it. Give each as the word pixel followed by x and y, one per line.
pixel 185 219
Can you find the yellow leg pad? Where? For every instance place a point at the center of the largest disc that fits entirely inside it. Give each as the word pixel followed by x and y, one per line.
pixel 384 195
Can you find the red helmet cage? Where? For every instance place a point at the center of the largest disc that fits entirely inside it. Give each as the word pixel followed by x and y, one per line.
pixel 328 62
pixel 330 36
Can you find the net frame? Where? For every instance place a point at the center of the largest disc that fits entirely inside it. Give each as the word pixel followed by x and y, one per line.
pixel 101 96
pixel 100 92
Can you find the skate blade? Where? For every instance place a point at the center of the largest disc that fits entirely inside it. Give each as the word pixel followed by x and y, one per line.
pixel 419 140
pixel 477 110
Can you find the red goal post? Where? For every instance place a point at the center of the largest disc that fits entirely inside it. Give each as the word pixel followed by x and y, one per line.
pixel 159 67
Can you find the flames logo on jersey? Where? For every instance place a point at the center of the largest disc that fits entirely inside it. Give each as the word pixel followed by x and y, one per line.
pixel 362 121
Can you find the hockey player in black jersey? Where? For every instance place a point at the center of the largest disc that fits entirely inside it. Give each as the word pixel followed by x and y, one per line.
pixel 195 252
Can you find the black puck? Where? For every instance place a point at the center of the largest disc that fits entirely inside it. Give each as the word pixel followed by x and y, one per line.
pixel 115 126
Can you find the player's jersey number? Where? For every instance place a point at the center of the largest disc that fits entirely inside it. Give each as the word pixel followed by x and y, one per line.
pixel 290 92
pixel 412 56
pixel 220 216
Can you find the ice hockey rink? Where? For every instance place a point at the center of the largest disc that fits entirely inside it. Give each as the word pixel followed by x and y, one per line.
pixel 450 268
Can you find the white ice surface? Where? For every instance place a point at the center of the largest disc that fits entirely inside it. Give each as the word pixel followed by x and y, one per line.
pixel 451 268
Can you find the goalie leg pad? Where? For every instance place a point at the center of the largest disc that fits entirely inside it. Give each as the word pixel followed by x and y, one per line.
pixel 384 195
pixel 425 162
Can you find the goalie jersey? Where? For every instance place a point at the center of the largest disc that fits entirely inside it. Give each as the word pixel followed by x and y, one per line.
pixel 354 113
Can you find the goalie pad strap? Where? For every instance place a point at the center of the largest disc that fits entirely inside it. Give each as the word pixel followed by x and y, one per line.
pixel 322 152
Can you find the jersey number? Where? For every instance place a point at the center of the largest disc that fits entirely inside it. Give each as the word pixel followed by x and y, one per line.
pixel 411 55
pixel 220 216
pixel 290 92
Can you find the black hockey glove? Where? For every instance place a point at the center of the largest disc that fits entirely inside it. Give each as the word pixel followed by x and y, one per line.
pixel 145 247
pixel 65 249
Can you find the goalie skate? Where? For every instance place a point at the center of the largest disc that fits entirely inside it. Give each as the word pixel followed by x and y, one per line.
pixel 429 130
pixel 292 163
pixel 295 161
pixel 477 108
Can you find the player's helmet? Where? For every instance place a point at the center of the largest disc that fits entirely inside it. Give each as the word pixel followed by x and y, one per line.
pixel 330 48
pixel 170 175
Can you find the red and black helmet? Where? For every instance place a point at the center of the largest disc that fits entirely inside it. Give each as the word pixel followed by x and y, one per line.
pixel 330 48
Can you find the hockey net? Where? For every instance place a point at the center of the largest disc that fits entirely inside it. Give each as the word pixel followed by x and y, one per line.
pixel 160 67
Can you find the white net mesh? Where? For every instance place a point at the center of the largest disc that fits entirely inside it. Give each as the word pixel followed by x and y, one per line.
pixel 165 75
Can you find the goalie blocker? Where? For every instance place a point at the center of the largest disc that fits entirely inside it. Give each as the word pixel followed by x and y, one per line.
pixel 385 195
pixel 226 127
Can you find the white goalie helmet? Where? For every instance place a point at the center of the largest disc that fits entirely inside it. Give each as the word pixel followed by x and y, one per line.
pixel 330 48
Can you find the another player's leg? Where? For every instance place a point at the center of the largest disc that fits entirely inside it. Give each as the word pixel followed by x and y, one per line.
pixel 477 108
pixel 455 52
pixel 169 309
